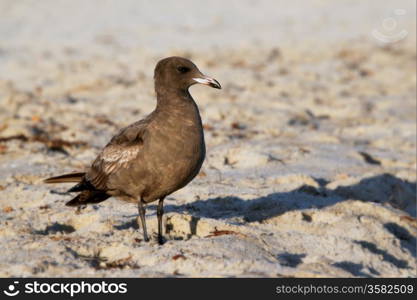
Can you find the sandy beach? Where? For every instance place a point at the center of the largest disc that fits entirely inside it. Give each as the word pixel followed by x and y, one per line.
pixel 311 143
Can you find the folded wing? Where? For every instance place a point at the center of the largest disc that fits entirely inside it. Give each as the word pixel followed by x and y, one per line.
pixel 118 154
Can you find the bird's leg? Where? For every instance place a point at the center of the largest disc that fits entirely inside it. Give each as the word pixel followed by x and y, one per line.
pixel 142 211
pixel 159 214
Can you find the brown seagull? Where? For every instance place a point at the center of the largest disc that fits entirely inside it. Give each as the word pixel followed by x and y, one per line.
pixel 154 157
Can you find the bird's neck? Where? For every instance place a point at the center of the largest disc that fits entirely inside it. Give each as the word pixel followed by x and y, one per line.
pixel 178 105
pixel 166 98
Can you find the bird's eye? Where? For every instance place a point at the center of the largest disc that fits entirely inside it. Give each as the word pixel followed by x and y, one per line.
pixel 183 70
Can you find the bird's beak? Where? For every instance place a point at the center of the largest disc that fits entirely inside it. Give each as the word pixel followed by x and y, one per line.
pixel 208 81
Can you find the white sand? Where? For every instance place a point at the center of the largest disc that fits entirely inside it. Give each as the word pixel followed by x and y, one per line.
pixel 306 89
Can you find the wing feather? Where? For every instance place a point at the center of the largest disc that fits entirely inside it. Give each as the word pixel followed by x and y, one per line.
pixel 123 148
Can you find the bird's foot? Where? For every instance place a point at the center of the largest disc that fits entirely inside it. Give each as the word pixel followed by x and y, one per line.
pixel 161 240
pixel 80 209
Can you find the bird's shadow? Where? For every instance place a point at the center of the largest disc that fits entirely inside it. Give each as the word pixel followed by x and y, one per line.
pixel 379 189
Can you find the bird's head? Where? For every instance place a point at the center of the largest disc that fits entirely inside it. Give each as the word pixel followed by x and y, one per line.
pixel 180 73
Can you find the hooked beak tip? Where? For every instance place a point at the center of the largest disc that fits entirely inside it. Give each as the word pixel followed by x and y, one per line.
pixel 216 85
pixel 208 81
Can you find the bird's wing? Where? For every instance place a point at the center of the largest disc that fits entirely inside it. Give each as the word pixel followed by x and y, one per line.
pixel 118 153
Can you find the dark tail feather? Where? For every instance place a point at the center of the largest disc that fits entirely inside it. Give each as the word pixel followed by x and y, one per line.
pixel 87 197
pixel 81 186
pixel 73 177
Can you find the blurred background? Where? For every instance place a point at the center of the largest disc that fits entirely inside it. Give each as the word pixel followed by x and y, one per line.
pixel 311 143
pixel 195 25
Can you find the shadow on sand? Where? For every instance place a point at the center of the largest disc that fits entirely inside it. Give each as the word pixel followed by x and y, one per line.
pixel 379 189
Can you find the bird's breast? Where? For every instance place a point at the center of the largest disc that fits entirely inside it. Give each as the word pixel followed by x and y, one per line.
pixel 182 141
pixel 177 151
